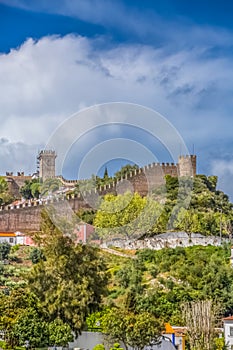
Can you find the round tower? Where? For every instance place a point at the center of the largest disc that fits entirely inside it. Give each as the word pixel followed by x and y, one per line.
pixel 187 165
pixel 46 160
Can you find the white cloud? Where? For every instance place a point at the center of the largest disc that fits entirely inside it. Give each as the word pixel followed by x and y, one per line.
pixel 17 156
pixel 45 81
pixel 224 170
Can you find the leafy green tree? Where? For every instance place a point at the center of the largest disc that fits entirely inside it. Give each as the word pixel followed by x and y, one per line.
pixel 86 215
pixel 23 319
pixel 35 189
pixel 116 346
pixel 71 281
pixel 36 255
pixel 5 196
pixel 187 221
pixel 128 215
pixel 99 347
pixel 50 186
pixel 21 316
pixel 60 334
pixel 5 248
pixel 30 189
pixel 3 185
pixel 126 169
pixel 134 330
pixel 30 327
pixel 219 344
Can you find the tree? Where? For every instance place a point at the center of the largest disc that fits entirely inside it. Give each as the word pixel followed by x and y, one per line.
pixel 71 281
pixel 5 196
pixel 187 220
pixel 23 319
pixel 116 346
pixel 60 334
pixel 50 186
pixel 5 248
pixel 36 255
pixel 99 347
pixel 128 215
pixel 3 185
pixel 106 173
pixel 200 319
pixel 134 330
pixel 30 327
pixel 30 189
pixel 126 169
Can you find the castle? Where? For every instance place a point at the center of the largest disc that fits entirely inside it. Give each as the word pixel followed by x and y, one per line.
pixel 25 216
pixel 142 180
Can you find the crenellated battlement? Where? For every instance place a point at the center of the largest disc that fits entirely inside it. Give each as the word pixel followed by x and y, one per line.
pixel 26 215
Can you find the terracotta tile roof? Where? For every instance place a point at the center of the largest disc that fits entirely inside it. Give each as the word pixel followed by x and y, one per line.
pixel 228 318
pixel 7 234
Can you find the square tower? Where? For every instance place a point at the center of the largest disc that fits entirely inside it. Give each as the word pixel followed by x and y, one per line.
pixel 187 165
pixel 46 160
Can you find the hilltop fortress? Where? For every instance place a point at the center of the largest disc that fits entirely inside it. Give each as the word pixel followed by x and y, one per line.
pixel 26 216
pixel 142 180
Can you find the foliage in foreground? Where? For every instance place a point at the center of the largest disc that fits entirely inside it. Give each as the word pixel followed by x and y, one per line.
pixel 23 319
pixel 71 281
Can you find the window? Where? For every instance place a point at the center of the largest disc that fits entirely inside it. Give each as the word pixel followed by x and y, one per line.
pixel 231 331
pixel 11 240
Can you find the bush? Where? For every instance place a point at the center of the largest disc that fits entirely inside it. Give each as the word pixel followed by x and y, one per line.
pixel 99 347
pixel 14 248
pixel 36 255
pixel 5 248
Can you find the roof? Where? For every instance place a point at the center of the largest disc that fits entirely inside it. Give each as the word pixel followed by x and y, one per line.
pixel 178 331
pixel 229 318
pixel 169 329
pixel 7 234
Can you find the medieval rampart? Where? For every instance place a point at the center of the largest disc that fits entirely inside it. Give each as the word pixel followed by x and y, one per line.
pixel 26 216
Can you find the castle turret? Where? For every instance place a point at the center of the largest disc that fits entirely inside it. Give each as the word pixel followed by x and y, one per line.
pixel 47 164
pixel 187 165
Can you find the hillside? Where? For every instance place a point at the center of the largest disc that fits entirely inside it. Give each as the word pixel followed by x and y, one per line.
pixel 160 281
pixel 147 280
pixel 193 205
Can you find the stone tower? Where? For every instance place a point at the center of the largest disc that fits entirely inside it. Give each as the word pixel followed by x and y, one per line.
pixel 46 160
pixel 187 165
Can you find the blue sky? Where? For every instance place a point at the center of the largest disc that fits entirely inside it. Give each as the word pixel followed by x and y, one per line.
pixel 60 56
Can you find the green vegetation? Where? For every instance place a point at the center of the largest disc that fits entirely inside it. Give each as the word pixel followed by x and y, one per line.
pixel 35 188
pixel 190 205
pixel 65 291
pixel 132 329
pixel 128 215
pixel 61 287
pixel 5 248
pixel 159 281
pixel 5 197
pixel 70 281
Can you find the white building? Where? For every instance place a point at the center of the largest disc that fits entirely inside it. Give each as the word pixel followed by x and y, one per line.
pixel 14 238
pixel 9 237
pixel 228 331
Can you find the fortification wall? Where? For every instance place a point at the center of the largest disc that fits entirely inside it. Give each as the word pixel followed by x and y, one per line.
pixel 26 217
pixel 15 183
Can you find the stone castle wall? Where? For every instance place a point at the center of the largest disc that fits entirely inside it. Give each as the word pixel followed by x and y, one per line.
pixel 26 217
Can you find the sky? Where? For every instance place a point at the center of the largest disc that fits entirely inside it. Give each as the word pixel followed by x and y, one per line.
pixel 60 57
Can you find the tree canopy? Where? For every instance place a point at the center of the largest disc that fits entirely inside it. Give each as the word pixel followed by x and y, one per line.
pixel 71 281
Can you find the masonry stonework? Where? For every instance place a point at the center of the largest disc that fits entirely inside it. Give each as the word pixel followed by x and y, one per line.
pixel 26 217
